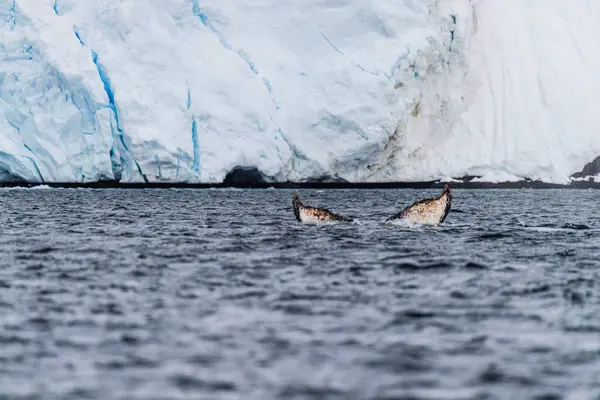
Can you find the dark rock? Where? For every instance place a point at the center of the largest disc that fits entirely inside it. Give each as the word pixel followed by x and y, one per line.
pixel 589 169
pixel 327 179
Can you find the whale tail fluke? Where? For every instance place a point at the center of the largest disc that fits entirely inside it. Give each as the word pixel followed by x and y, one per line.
pixel 431 211
pixel 308 214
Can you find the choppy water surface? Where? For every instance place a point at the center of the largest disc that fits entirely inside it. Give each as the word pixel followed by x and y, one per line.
pixel 220 294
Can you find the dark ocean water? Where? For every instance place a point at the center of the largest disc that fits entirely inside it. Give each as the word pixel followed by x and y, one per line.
pixel 220 294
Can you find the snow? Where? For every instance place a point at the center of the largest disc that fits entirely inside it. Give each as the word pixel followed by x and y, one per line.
pixel 587 178
pixel 497 177
pixel 449 179
pixel 364 90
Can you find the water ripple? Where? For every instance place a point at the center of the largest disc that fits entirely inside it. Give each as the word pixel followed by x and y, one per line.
pixel 220 294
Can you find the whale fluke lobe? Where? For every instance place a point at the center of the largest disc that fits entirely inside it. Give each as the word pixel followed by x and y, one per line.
pixel 296 204
pixel 307 214
pixel 431 211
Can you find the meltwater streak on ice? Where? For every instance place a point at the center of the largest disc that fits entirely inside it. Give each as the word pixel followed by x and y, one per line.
pixel 169 294
pixel 379 90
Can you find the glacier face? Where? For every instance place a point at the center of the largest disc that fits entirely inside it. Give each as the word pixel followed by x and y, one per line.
pixel 365 90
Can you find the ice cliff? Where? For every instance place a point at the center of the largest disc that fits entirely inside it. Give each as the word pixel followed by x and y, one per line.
pixel 363 90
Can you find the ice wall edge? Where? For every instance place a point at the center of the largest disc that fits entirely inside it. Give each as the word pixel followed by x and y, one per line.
pixel 391 91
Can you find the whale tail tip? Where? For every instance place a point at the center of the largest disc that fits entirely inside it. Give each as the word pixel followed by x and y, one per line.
pixel 296 203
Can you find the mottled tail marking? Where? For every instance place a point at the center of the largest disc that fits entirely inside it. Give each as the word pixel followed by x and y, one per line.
pixel 308 214
pixel 431 211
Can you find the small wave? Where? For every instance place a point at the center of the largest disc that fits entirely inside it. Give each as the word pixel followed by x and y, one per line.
pixel 457 294
pixel 17 338
pixel 543 229
pixel 411 266
pixel 413 313
pixel 40 323
pixel 573 296
pixel 43 250
pixel 488 236
pixel 548 228
pixel 294 309
pixel 528 290
pixel 582 328
pixel 494 374
pixel 403 358
pixel 577 227
pixel 15 188
pixel 226 189
pixel 37 187
pixel 403 223
pixel 566 253
pixel 245 294
pixel 327 223
pixel 475 265
pixel 188 382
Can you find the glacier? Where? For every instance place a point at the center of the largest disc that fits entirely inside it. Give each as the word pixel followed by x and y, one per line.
pixel 361 90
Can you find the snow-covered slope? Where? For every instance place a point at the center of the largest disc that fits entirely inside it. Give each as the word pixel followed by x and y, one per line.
pixel 365 90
